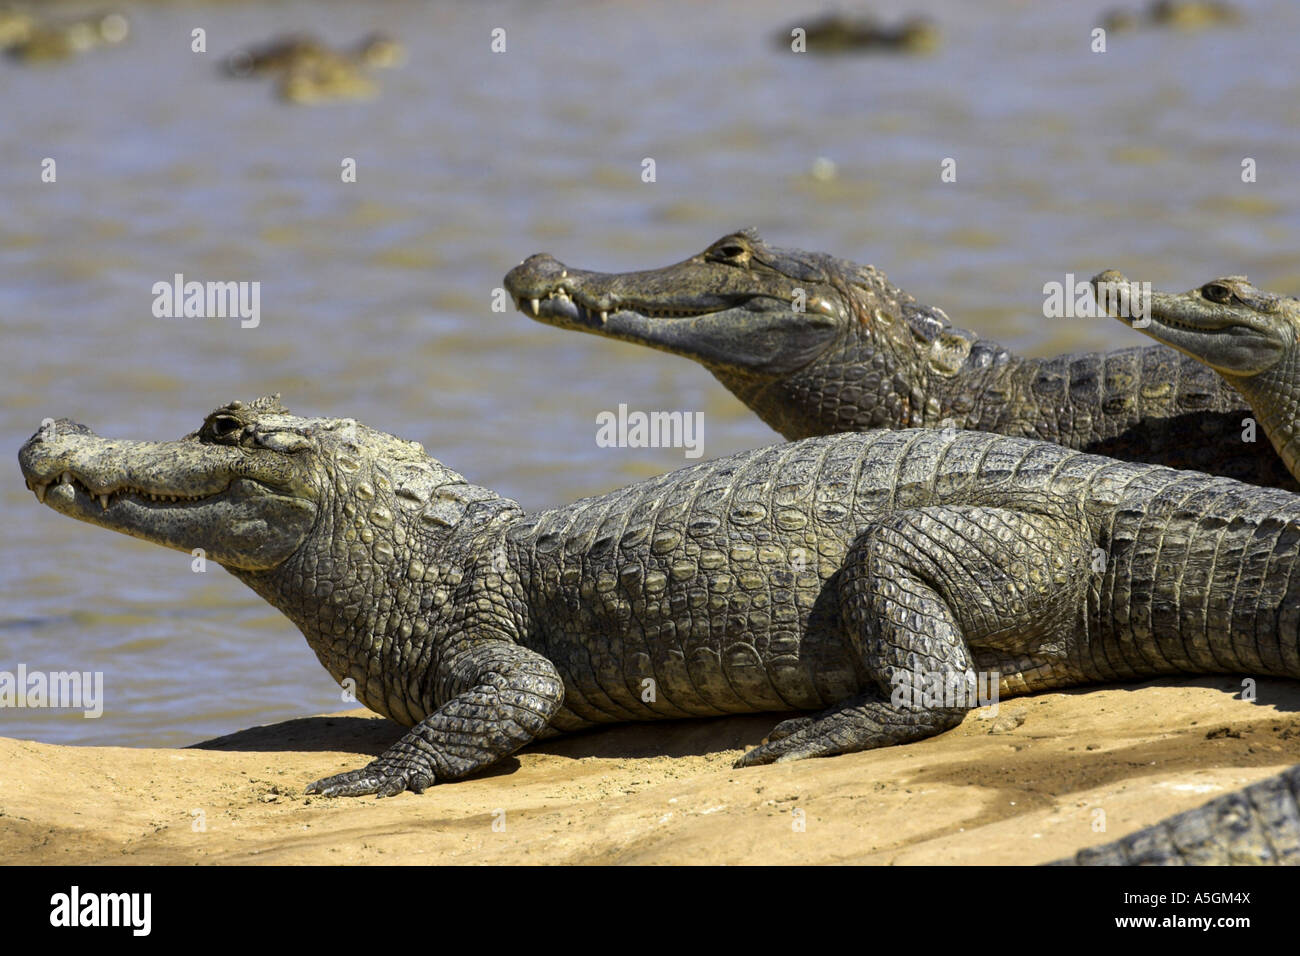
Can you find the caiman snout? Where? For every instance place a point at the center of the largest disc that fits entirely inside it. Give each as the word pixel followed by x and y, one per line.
pixel 544 288
pixel 54 428
pixel 239 505
pixel 534 280
pixel 1111 277
pixel 536 275
pixel 64 457
pixel 543 267
pixel 42 456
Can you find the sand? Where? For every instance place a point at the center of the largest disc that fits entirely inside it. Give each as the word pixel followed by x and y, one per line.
pixel 1051 774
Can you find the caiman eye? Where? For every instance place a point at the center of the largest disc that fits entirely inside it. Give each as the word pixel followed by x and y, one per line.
pixel 730 249
pixel 1217 292
pixel 223 426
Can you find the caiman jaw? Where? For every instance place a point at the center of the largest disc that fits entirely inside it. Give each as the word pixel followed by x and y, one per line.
pixel 740 308
pixel 244 503
pixel 129 508
pixel 105 498
pixel 544 289
pixel 571 306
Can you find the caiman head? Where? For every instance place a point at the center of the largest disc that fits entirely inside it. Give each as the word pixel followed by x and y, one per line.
pixel 339 526
pixel 241 487
pixel 1250 337
pixel 764 320
pixel 253 486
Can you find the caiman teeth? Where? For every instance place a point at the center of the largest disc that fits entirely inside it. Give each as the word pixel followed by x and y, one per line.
pixel 595 313
pixel 1186 326
pixel 104 498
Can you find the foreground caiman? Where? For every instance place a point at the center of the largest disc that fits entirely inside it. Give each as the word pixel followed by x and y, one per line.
pixel 818 345
pixel 1251 338
pixel 836 575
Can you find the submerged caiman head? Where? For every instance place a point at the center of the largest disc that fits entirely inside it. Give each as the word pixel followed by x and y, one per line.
pixel 751 313
pixel 1248 336
pixel 250 487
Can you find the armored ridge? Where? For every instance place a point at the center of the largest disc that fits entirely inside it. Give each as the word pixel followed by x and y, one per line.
pixel 821 575
pixel 817 345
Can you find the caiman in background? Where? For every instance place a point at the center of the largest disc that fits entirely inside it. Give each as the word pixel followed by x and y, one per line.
pixel 817 345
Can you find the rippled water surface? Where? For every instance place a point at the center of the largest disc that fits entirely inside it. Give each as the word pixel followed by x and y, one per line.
pixel 376 296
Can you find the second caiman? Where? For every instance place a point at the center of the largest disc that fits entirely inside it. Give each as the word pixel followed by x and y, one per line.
pixel 817 345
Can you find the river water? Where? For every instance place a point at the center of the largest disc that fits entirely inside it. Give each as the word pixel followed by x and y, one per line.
pixel 376 295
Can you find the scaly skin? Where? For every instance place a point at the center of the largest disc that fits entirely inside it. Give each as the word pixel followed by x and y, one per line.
pixel 862 354
pixel 1251 338
pixel 821 576
pixel 1258 825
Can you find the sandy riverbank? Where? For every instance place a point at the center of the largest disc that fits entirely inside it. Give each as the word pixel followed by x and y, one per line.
pixel 1023 788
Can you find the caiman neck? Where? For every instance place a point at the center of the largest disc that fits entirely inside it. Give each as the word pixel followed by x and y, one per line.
pixel 372 588
pixel 1274 399
pixel 898 365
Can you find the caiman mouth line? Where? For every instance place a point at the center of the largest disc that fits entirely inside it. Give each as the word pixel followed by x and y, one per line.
pixel 1203 327
pixel 1161 314
pixel 571 305
pixel 41 488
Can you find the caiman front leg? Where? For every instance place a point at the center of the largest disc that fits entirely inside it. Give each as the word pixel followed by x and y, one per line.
pixel 498 698
pixel 919 592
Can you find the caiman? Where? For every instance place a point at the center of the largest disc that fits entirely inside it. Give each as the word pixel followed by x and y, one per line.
pixel 1252 339
pixel 817 345
pixel 1178 14
pixel 1247 336
pixel 841 33
pixel 291 52
pixel 837 575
